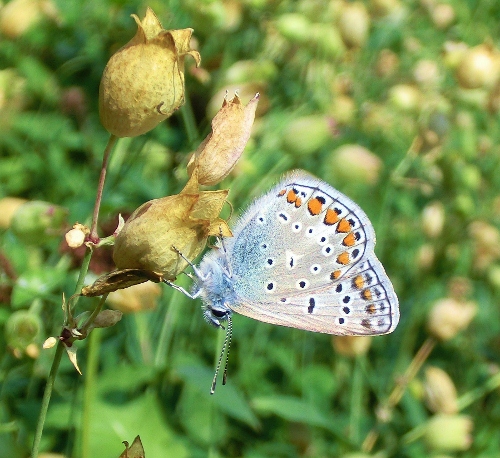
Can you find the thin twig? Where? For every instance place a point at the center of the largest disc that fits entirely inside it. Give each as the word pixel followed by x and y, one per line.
pixel 100 187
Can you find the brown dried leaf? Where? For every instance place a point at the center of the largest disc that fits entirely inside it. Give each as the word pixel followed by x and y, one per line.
pixel 119 279
pixel 218 153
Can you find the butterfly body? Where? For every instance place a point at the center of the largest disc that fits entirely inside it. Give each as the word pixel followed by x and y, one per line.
pixel 301 256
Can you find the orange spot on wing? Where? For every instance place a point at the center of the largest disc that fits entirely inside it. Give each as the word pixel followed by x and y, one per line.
pixel 282 192
pixel 291 197
pixel 298 202
pixel 314 206
pixel 358 281
pixel 371 309
pixel 366 294
pixel 331 217
pixel 349 239
pixel 344 226
pixel 335 274
pixel 343 258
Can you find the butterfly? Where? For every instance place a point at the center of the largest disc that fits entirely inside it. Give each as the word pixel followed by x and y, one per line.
pixel 302 256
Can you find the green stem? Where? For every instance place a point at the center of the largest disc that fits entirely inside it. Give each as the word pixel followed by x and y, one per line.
pixel 356 401
pixel 46 399
pixel 189 121
pixel 88 394
pixel 100 187
pixel 477 393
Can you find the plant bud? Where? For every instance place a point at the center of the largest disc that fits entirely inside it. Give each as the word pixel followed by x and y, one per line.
pixel 135 298
pixel 294 27
pixel 433 217
pixel 478 68
pixel 8 206
pixel 387 63
pixel 425 256
pixel 17 16
pixel 354 24
pixel 426 73
pixel 183 221
pixel 21 329
pixel 76 236
pixel 143 82
pixel 443 15
pixel 405 97
pixel 305 135
pixel 355 163
pixel 449 316
pixel 448 433
pixel 49 343
pixel 351 346
pixel 35 222
pixel 440 392
pixel 12 90
pixel 108 318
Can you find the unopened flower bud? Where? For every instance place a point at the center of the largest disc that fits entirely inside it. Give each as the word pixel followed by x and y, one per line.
pixel 49 343
pixel 448 433
pixel 76 236
pixel 449 316
pixel 143 82
pixel 135 298
pixel 35 222
pixel 355 163
pixel 440 392
pixel 351 346
pixel 21 329
pixel 8 206
pixel 433 217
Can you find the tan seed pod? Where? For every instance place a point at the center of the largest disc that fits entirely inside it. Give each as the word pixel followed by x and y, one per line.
pixel 143 82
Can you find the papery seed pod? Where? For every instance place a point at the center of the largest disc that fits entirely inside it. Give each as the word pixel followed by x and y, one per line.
pixel 355 163
pixel 405 97
pixel 21 329
pixel 17 16
pixel 143 82
pixel 448 433
pixel 8 207
pixel 443 15
pixel 440 391
pixel 218 153
pixel 479 67
pixel 183 221
pixel 354 24
pixel 448 317
pixel 433 218
pixel 351 346
pixel 307 134
pixel 35 222
pixel 136 298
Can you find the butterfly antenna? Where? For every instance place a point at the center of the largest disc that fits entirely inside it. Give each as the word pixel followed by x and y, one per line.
pixel 227 339
pixel 230 336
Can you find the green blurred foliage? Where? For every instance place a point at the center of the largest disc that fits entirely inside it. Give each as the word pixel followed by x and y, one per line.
pixel 289 393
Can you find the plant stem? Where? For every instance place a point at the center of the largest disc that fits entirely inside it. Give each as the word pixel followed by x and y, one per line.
pixel 46 399
pixel 100 187
pixel 189 121
pixel 398 391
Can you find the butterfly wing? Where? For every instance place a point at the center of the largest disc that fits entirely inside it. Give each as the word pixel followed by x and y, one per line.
pixel 302 256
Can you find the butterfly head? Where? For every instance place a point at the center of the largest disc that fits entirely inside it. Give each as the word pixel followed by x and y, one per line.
pixel 215 314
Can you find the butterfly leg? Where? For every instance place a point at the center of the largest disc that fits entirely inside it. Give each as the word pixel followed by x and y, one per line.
pixel 196 271
pixel 181 289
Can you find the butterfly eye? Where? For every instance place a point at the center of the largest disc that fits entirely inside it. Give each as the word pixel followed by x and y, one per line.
pixel 219 313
